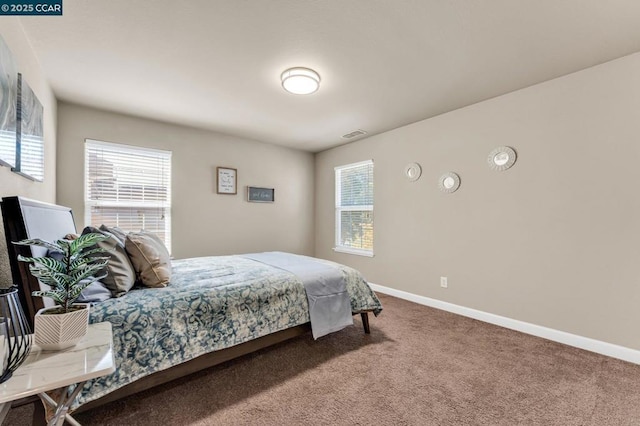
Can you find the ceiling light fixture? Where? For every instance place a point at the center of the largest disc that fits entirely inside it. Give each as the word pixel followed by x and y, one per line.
pixel 300 81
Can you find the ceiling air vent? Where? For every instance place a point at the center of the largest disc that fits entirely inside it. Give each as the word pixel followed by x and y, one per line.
pixel 354 134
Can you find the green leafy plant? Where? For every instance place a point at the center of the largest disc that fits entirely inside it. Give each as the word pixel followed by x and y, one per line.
pixel 79 263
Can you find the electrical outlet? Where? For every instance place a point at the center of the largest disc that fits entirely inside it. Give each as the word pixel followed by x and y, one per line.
pixel 443 282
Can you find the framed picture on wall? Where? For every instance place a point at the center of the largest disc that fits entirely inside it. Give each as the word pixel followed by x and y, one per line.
pixel 227 180
pixel 8 105
pixel 260 195
pixel 30 140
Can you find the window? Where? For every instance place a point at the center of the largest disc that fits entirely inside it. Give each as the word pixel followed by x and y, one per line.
pixel 354 208
pixel 128 187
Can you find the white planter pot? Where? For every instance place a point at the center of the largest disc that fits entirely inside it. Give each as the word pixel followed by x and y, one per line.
pixel 59 331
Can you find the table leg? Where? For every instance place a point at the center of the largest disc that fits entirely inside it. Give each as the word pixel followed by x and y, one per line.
pixel 4 409
pixel 62 406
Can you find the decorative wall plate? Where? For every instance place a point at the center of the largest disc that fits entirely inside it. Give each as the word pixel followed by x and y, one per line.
pixel 413 171
pixel 502 158
pixel 449 182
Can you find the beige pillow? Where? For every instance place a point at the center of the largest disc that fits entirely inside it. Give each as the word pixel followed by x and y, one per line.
pixel 121 275
pixel 150 258
pixel 119 233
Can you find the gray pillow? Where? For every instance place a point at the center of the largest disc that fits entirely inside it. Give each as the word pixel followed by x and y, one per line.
pixel 120 273
pixel 119 233
pixel 94 292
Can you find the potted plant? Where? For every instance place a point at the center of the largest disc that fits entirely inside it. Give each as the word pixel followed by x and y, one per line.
pixel 73 265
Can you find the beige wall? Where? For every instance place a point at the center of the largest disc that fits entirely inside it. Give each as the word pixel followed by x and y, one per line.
pixel 11 183
pixel 553 241
pixel 203 222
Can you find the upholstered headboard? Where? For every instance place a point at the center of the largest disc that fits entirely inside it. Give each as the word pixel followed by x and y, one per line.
pixel 24 218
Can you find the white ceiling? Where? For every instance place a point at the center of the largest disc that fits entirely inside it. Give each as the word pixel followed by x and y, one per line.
pixel 384 63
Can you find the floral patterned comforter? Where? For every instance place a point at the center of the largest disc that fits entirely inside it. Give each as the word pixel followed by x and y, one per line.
pixel 211 303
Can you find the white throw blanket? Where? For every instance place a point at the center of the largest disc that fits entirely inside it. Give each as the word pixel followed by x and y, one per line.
pixel 329 302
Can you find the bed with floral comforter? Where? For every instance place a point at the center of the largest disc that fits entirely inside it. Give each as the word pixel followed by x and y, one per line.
pixel 212 303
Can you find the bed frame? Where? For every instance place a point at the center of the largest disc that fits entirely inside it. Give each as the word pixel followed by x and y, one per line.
pixel 25 218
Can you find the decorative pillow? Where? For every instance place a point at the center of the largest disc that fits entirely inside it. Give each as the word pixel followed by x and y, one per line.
pixel 94 292
pixel 121 275
pixel 150 258
pixel 55 254
pixel 119 233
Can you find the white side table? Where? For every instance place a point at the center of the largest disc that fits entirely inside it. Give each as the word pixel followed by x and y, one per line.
pixel 43 371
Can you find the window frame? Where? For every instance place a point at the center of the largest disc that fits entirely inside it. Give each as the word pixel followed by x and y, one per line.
pixel 89 203
pixel 339 209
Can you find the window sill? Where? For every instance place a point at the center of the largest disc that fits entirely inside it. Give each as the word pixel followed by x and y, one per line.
pixel 357 252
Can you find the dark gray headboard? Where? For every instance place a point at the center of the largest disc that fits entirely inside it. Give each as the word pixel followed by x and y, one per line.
pixel 24 218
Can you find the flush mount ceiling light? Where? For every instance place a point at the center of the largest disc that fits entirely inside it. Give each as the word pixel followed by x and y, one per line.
pixel 300 81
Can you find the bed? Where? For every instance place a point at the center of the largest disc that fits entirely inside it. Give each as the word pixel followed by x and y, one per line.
pixel 215 308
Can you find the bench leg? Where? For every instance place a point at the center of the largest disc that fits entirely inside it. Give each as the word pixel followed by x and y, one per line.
pixel 365 322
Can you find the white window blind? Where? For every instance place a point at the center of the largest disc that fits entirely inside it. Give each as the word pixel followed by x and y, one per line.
pixel 354 208
pixel 128 187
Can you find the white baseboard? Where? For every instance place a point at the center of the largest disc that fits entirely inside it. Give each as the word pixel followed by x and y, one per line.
pixel 597 346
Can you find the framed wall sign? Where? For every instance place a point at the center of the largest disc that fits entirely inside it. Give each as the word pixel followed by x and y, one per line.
pixel 30 139
pixel 227 180
pixel 260 195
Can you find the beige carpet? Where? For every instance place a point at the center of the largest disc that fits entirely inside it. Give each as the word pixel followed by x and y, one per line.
pixel 419 366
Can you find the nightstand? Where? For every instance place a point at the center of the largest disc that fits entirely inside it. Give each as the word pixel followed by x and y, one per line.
pixel 43 371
